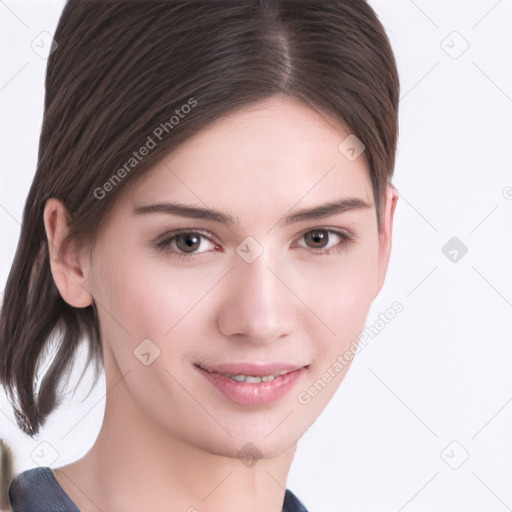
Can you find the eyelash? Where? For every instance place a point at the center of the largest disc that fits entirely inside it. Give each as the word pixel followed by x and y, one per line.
pixel 162 243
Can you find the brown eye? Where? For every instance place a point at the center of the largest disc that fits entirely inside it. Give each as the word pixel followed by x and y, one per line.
pixel 324 241
pixel 188 242
pixel 185 244
pixel 318 238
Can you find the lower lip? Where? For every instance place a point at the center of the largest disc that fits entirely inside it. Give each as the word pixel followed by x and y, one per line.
pixel 246 393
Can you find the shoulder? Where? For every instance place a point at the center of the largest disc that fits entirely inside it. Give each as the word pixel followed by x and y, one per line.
pixel 37 490
pixel 291 503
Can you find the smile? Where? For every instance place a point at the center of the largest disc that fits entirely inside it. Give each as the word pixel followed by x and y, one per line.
pixel 255 386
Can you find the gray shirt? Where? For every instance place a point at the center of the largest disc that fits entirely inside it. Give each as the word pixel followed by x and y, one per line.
pixel 37 490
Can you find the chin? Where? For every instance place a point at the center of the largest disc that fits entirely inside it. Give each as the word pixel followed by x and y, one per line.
pixel 249 451
pixel 249 443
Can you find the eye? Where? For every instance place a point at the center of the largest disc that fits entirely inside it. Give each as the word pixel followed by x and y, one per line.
pixel 325 241
pixel 189 244
pixel 185 243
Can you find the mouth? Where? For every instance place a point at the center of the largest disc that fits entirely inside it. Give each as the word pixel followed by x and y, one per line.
pixel 252 384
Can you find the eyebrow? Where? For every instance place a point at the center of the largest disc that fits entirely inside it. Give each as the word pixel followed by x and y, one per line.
pixel 316 212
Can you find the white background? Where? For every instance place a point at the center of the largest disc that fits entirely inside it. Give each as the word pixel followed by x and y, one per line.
pixel 441 370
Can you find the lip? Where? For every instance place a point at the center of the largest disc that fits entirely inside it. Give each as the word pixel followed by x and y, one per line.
pixel 245 393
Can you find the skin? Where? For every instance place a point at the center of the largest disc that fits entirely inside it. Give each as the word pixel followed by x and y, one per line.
pixel 168 436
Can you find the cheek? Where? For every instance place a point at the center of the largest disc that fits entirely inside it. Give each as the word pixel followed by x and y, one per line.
pixel 142 298
pixel 343 295
pixel 170 305
pixel 155 300
pixel 342 298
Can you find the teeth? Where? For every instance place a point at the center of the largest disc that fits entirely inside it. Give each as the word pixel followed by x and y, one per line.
pixel 254 380
pixel 250 378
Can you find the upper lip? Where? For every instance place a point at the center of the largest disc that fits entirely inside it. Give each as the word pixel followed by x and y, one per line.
pixel 252 369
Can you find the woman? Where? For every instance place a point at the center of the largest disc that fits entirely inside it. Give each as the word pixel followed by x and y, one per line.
pixel 212 216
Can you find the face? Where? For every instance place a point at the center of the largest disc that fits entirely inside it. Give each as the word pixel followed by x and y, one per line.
pixel 245 271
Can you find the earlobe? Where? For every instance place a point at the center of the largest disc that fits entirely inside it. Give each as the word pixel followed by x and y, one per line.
pixel 65 264
pixel 385 234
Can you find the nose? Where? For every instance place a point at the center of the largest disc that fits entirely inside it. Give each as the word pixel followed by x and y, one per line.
pixel 258 305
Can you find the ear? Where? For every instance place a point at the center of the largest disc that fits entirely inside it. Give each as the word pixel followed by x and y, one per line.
pixel 385 234
pixel 66 265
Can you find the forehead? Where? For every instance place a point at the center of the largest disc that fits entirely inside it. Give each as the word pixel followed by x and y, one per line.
pixel 270 155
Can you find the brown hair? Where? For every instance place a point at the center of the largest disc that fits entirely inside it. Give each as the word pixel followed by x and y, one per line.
pixel 125 71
